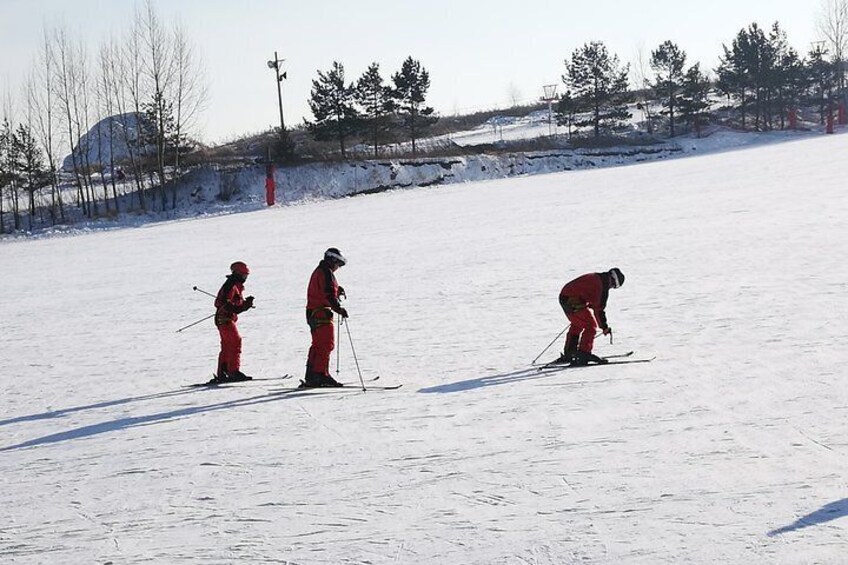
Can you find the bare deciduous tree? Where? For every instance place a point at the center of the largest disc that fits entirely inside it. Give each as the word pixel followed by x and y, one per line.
pixel 514 94
pixel 644 92
pixel 83 118
pixel 41 96
pixel 128 97
pixel 832 25
pixel 106 84
pixel 67 94
pixel 189 94
pixel 158 73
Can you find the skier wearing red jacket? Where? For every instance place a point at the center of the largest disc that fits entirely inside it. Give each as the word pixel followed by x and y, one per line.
pixel 229 303
pixel 584 300
pixel 322 299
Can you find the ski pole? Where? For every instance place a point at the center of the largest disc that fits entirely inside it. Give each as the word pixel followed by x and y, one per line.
pixel 550 344
pixel 600 333
pixel 194 323
pixel 339 345
pixel 347 328
pixel 203 291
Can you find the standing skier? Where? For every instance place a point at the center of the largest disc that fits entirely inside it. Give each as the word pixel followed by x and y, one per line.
pixel 322 299
pixel 229 303
pixel 580 299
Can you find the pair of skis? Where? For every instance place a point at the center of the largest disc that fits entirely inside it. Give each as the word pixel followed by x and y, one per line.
pixel 346 386
pixel 619 359
pixel 212 383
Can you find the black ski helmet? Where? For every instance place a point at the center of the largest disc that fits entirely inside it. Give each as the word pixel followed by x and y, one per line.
pixel 616 277
pixel 334 255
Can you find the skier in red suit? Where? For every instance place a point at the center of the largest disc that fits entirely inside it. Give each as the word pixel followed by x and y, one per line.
pixel 322 299
pixel 229 303
pixel 584 300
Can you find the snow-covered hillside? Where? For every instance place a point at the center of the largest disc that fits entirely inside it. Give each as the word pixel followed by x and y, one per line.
pixel 211 191
pixel 728 448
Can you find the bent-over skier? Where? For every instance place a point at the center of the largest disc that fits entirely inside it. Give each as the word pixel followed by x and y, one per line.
pixel 584 300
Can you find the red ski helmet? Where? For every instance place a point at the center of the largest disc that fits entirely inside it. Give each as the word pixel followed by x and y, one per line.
pixel 239 268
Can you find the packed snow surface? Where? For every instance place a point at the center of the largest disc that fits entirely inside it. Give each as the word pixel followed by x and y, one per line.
pixel 730 447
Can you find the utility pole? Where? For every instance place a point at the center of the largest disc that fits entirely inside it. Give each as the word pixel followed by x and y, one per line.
pixel 275 64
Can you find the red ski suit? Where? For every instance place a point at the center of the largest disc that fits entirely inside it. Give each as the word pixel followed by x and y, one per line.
pixel 322 299
pixel 579 299
pixel 229 303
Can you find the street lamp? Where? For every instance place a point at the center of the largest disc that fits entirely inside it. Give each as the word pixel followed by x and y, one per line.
pixel 275 65
pixel 549 97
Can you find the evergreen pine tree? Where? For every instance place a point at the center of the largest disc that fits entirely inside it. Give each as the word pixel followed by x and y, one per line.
pixel 376 101
pixel 694 97
pixel 787 77
pixel 10 173
pixel 333 105
pixel 410 92
pixel 30 166
pixel 667 62
pixel 157 125
pixel 734 79
pixel 566 111
pixel 599 84
pixel 823 80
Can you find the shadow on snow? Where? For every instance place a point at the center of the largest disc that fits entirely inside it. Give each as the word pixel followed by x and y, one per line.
pixel 132 422
pixel 105 404
pixel 493 380
pixel 826 513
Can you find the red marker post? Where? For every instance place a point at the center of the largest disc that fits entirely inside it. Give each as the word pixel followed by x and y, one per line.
pixel 270 186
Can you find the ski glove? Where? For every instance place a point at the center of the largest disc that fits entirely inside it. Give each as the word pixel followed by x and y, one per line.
pixel 342 312
pixel 607 331
pixel 248 303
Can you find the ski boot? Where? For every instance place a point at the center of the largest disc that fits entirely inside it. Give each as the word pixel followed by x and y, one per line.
pixel 237 376
pixel 317 380
pixel 568 353
pixel 564 359
pixel 312 379
pixel 581 359
pixel 328 381
pixel 220 377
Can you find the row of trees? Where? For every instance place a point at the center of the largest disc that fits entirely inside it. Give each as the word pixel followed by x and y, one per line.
pixel 131 107
pixel 762 77
pixel 370 109
pixel 766 77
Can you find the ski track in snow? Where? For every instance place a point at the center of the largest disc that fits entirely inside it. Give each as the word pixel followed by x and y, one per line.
pixel 727 448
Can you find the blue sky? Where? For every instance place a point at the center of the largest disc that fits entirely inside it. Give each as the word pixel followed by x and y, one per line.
pixel 480 55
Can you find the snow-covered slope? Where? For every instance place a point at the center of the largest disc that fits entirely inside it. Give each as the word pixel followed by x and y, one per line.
pixel 210 191
pixel 728 448
pixel 96 146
